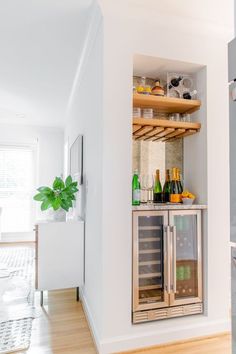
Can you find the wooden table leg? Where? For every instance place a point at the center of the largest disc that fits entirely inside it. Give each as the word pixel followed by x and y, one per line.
pixel 77 294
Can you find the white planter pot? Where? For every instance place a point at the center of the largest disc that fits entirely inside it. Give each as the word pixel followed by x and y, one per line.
pixel 52 215
pixel 59 215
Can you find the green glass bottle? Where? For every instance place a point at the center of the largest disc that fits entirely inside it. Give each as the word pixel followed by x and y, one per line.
pixel 135 189
pixel 157 189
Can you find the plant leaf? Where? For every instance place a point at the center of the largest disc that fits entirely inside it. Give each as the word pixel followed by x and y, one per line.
pixel 40 197
pixel 64 206
pixel 58 184
pixel 46 204
pixel 44 190
pixel 68 181
pixel 56 203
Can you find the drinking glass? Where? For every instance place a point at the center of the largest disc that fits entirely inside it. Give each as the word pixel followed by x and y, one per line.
pixel 150 186
pixel 144 188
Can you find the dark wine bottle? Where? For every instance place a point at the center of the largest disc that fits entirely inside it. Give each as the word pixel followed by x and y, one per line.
pixel 189 95
pixel 166 188
pixel 157 198
pixel 175 194
pixel 175 82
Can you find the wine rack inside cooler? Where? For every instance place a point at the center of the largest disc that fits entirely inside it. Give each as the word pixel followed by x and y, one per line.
pixel 187 256
pixel 150 260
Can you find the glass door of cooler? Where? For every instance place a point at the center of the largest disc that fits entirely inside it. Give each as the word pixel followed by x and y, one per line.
pixel 150 260
pixel 186 257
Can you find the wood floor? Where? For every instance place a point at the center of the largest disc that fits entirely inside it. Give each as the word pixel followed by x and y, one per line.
pixel 62 328
pixel 214 345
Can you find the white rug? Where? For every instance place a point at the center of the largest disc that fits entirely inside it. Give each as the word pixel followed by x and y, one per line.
pixel 16 298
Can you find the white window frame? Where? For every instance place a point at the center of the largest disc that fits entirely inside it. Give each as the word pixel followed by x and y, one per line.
pixel 15 236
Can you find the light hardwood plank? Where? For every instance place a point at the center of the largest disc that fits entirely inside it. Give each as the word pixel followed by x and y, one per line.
pixel 62 327
pixel 220 344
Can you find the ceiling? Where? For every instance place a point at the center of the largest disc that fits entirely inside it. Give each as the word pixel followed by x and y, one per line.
pixel 41 43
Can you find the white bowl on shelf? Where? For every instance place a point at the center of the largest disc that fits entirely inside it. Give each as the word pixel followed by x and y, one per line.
pixel 187 201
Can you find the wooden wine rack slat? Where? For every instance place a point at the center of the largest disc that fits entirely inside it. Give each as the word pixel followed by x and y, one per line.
pixel 162 130
pixel 144 263
pixel 149 239
pixel 149 275
pixel 150 287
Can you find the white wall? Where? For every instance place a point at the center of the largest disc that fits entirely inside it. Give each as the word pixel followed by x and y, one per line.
pixel 101 109
pixel 49 143
pixel 85 117
pixel 166 38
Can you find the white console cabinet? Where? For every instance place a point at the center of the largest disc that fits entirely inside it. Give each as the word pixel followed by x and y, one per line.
pixel 59 255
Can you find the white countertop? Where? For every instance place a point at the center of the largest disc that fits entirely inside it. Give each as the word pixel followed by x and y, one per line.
pixel 169 206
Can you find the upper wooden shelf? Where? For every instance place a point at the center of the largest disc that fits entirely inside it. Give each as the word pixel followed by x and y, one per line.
pixel 166 104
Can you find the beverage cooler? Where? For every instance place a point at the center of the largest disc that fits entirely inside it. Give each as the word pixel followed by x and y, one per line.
pixel 167 264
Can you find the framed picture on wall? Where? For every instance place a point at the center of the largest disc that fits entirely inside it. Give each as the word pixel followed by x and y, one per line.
pixel 76 159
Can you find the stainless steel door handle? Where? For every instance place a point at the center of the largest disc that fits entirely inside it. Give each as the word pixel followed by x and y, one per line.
pixel 167 273
pixel 173 230
pixel 234 260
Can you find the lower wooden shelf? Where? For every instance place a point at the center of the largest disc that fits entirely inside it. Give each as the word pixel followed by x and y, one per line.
pixel 162 130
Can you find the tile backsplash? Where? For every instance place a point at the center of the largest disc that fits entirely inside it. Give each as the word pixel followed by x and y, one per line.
pixel 149 156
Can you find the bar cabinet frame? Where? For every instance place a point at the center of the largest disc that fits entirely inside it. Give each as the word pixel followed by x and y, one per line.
pixel 169 254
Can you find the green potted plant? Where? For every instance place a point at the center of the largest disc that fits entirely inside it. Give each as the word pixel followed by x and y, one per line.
pixel 59 197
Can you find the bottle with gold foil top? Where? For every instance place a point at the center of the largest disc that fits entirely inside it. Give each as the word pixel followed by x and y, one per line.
pixel 175 193
pixel 179 181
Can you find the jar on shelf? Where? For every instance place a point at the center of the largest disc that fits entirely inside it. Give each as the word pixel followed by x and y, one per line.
pixel 158 90
pixel 147 113
pixel 161 115
pixel 174 117
pixel 186 117
pixel 140 84
pixel 147 90
pixel 136 112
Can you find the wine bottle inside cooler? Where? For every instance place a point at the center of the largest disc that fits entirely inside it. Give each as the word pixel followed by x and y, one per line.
pixel 189 95
pixel 166 188
pixel 157 198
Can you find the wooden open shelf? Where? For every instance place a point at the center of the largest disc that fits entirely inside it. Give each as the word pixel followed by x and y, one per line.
pixel 162 130
pixel 166 104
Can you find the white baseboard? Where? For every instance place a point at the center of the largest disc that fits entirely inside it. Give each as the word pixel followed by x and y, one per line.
pixel 145 340
pixel 153 338
pixel 90 320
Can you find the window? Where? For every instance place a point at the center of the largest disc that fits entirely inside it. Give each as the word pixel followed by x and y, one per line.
pixel 16 187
